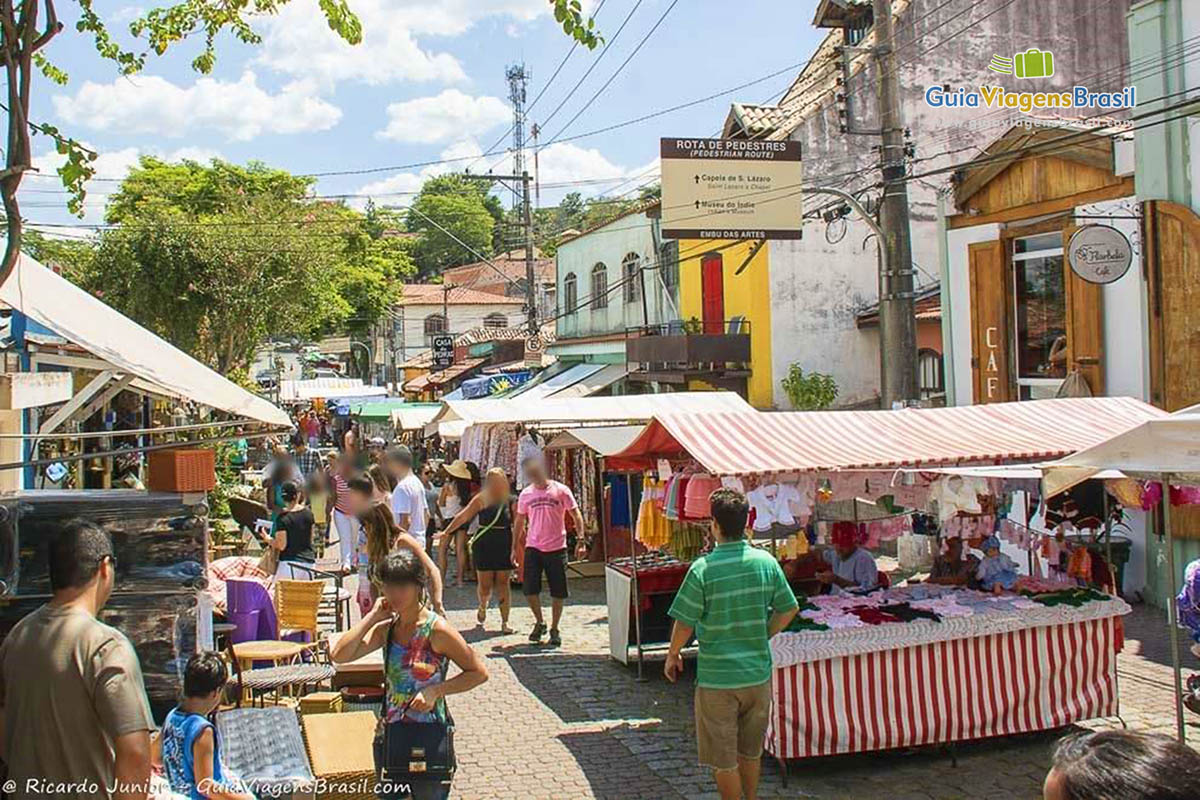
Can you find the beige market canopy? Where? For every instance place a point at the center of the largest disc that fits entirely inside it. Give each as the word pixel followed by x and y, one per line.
pixel 605 440
pixel 1168 444
pixel 80 318
pixel 299 391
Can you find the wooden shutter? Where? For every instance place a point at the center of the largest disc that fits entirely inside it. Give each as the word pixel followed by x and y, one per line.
pixel 990 339
pixel 1173 273
pixel 1085 324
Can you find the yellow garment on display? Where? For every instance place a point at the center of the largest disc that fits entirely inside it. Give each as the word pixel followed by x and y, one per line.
pixel 653 529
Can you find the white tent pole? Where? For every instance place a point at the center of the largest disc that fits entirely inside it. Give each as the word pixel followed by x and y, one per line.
pixel 1173 631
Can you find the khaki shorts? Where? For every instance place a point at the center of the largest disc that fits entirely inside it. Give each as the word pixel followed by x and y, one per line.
pixel 731 723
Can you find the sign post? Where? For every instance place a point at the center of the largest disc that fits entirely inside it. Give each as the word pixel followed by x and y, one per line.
pixel 731 189
pixel 443 350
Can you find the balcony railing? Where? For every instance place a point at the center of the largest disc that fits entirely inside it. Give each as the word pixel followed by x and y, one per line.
pixel 690 344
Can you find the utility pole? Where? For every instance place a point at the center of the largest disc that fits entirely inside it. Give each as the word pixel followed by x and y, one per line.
pixel 531 310
pixel 530 281
pixel 446 287
pixel 897 324
pixel 537 184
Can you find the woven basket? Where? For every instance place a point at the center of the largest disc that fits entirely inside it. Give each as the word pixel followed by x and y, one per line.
pixel 321 703
pixel 340 751
pixel 184 470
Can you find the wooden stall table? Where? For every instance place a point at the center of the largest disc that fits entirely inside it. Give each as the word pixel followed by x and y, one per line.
pixel 285 672
pixel 275 651
pixel 366 671
pixel 881 687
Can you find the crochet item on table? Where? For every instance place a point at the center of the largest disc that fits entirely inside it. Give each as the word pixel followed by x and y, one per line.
pixel 800 623
pixel 1070 597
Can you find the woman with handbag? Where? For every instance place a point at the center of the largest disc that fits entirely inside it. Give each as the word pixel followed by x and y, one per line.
pixel 491 544
pixel 414 747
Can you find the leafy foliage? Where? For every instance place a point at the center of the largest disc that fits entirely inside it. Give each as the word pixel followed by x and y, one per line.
pixel 454 216
pixel 217 258
pixel 812 392
pixel 569 14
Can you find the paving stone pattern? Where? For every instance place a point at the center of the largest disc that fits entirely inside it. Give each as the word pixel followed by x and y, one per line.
pixel 569 722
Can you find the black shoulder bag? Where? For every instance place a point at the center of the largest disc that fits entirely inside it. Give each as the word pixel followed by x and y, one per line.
pixel 408 751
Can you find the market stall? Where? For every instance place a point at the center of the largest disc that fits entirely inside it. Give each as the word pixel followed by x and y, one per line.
pixel 959 663
pixel 1162 450
pixel 576 458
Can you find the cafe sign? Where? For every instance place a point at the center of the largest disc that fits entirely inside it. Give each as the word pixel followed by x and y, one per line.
pixel 1099 253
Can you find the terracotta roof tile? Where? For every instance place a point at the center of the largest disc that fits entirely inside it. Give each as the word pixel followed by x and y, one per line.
pixel 431 294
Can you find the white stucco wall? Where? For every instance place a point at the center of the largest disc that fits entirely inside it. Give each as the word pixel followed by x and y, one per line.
pixel 956 321
pixel 462 318
pixel 609 245
pixel 1126 349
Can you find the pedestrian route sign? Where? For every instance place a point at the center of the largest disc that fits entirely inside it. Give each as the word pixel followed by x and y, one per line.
pixel 731 189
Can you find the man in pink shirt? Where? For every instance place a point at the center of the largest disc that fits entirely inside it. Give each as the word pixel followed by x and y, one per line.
pixel 541 531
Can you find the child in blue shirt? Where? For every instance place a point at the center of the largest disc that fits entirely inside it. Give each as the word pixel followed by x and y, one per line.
pixel 187 747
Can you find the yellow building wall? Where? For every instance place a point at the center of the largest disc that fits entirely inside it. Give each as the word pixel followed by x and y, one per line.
pixel 746 295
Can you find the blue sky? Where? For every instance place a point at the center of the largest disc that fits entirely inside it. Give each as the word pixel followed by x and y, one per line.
pixel 427 83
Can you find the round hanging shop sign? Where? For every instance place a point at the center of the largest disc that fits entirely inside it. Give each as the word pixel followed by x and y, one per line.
pixel 1099 253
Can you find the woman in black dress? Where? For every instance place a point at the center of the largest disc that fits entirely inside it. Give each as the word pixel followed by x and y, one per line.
pixel 491 544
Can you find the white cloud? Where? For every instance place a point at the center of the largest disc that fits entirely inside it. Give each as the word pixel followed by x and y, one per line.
pixel 569 166
pixel 426 120
pixel 239 110
pixel 111 166
pixel 298 41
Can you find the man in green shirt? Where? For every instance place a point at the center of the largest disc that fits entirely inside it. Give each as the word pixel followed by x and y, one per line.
pixel 734 599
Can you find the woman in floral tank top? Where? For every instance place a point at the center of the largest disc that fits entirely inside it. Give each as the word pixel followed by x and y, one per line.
pixel 420 646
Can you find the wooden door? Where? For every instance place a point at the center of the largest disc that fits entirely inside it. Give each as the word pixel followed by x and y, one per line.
pixel 990 336
pixel 1173 274
pixel 1085 324
pixel 712 293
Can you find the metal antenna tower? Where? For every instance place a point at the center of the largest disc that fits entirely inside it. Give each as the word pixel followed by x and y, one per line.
pixel 517 77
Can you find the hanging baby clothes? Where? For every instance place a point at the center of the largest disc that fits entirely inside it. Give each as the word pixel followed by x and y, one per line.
pixel 955 494
pixel 696 505
pixel 653 529
pixel 763 502
pixel 1079 565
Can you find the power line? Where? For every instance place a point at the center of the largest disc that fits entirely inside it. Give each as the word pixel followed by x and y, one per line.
pixel 612 77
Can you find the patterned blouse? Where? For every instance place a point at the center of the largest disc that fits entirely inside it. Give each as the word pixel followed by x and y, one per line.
pixel 411 667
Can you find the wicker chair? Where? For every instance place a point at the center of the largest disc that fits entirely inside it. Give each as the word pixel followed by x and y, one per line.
pixel 297 604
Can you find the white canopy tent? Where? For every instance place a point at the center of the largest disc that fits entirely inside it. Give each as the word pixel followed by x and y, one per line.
pixel 299 391
pixel 588 410
pixel 413 418
pixel 1166 450
pixel 130 350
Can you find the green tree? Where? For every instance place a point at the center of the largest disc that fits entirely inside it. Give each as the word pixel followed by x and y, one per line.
pixel 813 392
pixel 455 220
pixel 199 189
pixel 217 258
pixel 28 26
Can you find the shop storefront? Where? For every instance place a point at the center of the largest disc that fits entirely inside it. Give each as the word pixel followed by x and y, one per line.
pixel 1022 321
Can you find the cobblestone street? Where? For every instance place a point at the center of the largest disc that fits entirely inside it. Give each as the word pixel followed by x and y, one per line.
pixel 571 723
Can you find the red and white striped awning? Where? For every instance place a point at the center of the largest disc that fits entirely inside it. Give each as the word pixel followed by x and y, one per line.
pixel 752 443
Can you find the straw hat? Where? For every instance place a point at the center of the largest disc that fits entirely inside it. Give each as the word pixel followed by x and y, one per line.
pixel 458 469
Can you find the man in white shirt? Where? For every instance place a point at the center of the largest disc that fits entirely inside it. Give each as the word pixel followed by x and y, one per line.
pixel 408 498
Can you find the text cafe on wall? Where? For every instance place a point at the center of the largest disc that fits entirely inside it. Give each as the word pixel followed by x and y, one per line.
pixel 1054 277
